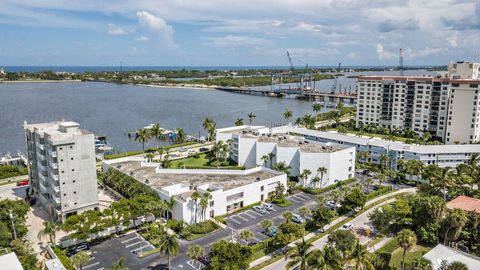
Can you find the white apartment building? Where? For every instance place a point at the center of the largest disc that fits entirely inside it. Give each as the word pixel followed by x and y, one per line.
pixel 61 165
pixel 423 104
pixel 230 189
pixel 250 144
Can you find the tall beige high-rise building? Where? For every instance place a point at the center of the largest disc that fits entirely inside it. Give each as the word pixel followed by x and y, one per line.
pixel 62 169
pixel 445 106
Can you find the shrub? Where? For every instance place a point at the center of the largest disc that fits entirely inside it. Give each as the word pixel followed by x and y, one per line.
pixel 199 228
pixel 7 171
pixel 63 258
pixel 176 225
pixel 221 219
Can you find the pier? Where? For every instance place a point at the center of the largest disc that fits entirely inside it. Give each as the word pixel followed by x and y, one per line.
pixel 311 95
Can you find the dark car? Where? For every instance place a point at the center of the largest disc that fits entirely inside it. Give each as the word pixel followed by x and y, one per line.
pixel 251 243
pixel 205 260
pixel 203 149
pixel 75 250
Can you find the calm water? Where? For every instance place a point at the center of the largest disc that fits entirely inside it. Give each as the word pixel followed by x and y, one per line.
pixel 113 110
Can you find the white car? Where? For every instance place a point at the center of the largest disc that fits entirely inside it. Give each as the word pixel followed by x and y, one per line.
pixel 347 226
pixel 268 206
pixel 259 209
pixel 331 204
pixel 297 219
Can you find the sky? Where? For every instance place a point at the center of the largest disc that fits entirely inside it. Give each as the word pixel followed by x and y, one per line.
pixel 237 33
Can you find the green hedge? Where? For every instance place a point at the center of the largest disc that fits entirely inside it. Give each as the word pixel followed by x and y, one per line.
pixel 7 171
pixel 194 231
pixel 378 192
pixel 325 189
pixel 134 153
pixel 120 155
pixel 63 258
pixel 124 184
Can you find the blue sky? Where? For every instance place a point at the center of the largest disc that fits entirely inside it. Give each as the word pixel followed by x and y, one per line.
pixel 237 33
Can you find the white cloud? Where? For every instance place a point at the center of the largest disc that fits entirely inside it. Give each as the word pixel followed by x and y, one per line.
pixel 142 38
pixel 116 30
pixel 383 54
pixel 156 25
pixel 235 41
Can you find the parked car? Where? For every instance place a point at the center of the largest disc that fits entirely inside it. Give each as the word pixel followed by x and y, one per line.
pixel 205 260
pixel 259 210
pixel 203 149
pixel 272 231
pixel 367 173
pixel 268 206
pixel 251 243
pixel 191 152
pixel 22 183
pixel 75 250
pixel 347 226
pixel 297 219
pixel 331 204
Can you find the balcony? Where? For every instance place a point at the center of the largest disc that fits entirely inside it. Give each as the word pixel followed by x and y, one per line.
pixel 52 153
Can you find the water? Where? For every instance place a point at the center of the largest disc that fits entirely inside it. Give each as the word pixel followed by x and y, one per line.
pixel 113 110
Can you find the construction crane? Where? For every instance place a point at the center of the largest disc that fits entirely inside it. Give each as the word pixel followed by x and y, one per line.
pixel 335 82
pixel 290 61
pixel 400 62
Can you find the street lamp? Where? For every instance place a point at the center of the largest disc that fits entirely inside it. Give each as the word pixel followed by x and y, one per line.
pixel 10 215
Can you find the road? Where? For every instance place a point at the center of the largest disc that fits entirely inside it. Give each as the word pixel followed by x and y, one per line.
pixel 358 222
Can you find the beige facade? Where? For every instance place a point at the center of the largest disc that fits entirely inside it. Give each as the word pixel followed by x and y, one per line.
pixel 463 70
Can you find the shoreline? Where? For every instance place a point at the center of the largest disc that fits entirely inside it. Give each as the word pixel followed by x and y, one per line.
pixel 40 81
pixel 184 86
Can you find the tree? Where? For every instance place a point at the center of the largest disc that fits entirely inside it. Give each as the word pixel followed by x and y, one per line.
pixel 229 256
pixel 354 199
pixel 287 115
pixel 300 255
pixel 322 171
pixel 304 212
pixel 195 197
pixel 343 241
pixel 457 266
pixel 119 264
pixel 270 158
pixel 80 259
pixel 406 240
pixel 316 108
pixel 181 136
pixel 304 176
pixel 361 257
pixel 335 195
pixel 265 224
pixel 444 179
pixel 265 159
pixel 156 132
pixel 239 122
pixel 456 219
pixel 209 126
pixel 282 167
pixel 49 229
pixel 195 252
pixel 381 218
pixel 169 245
pixel 322 215
pixel 246 235
pixel 325 259
pixel 204 201
pixel 421 264
pixel 287 216
pixel 142 136
pixel 251 116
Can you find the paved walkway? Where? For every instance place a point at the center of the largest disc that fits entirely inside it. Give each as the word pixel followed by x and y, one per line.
pixel 280 264
pixel 380 244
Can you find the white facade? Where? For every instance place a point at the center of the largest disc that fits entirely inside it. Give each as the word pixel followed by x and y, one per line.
pixel 464 70
pixel 240 188
pixel 249 145
pixel 62 169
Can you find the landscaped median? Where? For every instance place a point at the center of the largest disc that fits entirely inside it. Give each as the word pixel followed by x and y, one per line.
pixel 316 237
pixel 164 148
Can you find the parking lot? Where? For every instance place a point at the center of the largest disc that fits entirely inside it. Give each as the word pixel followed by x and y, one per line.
pixel 128 246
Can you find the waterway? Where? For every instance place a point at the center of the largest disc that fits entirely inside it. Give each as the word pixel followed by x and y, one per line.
pixel 113 110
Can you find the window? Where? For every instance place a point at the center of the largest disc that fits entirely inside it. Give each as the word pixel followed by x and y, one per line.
pixel 63 183
pixel 73 181
pixel 71 158
pixel 61 160
pixel 71 147
pixel 212 203
pixel 262 188
pixel 73 170
pixel 74 192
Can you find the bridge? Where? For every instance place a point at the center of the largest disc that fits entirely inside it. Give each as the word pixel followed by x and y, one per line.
pixel 298 93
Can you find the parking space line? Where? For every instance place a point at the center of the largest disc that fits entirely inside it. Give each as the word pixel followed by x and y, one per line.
pixel 304 196
pixel 246 213
pixel 273 209
pixel 261 234
pixel 293 199
pixel 234 220
pixel 130 239
pixel 101 268
pixel 242 218
pixel 91 265
pixel 298 197
pixel 140 248
pixel 258 214
pixel 256 239
pixel 136 243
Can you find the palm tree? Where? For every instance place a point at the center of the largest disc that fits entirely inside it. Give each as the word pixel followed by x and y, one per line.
pixel 156 132
pixel 282 167
pixel 335 194
pixel 181 136
pixel 195 252
pixel 322 171
pixel 149 157
pixel 456 219
pixel 316 108
pixel 287 215
pixel 251 116
pixel 265 224
pixel 457 266
pixel 300 255
pixel 49 229
pixel 304 176
pixel 118 265
pixel 421 264
pixel 265 159
pixel 287 115
pixel 208 124
pixel 270 158
pixel 443 178
pixel 142 136
pixel 169 246
pixel 246 235
pixel 406 239
pixel 304 212
pixel 239 122
pixel 195 196
pixel 80 259
pixel 361 257
pixel 204 200
pixel 326 259
pixel 314 181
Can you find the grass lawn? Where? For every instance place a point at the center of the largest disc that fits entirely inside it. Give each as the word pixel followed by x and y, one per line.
pixel 283 204
pixel 396 261
pixel 201 161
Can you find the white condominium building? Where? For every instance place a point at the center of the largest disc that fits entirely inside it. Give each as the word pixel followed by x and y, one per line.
pixel 446 107
pixel 229 189
pixel 250 146
pixel 62 169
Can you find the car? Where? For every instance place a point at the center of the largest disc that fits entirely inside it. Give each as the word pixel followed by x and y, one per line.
pixel 298 219
pixel 205 260
pixel 251 243
pixel 22 183
pixel 259 209
pixel 191 152
pixel 367 173
pixel 272 231
pixel 75 250
pixel 331 204
pixel 346 226
pixel 268 206
pixel 203 149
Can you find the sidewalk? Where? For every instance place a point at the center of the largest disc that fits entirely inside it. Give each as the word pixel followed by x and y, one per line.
pixel 380 244
pixel 333 223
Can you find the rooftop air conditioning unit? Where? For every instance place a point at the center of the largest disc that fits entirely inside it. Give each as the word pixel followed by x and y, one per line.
pixel 257 179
